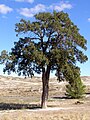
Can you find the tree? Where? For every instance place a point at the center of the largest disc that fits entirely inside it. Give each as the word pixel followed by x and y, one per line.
pixel 75 88
pixel 50 43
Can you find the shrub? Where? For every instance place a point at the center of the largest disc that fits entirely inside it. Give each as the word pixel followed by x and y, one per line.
pixel 75 90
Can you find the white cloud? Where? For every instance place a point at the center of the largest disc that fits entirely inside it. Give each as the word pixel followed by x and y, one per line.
pixel 61 6
pixel 32 11
pixel 88 19
pixel 29 1
pixel 5 9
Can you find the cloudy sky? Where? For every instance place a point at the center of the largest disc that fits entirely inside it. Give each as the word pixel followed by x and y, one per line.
pixel 11 11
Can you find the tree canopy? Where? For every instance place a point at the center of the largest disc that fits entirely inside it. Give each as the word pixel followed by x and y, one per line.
pixel 50 43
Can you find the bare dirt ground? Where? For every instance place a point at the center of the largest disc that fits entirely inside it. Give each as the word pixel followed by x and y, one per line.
pixel 20 100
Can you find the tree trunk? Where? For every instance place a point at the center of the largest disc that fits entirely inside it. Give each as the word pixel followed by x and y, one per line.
pixel 44 93
pixel 45 84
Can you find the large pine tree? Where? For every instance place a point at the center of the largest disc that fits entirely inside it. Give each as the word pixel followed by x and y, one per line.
pixel 50 43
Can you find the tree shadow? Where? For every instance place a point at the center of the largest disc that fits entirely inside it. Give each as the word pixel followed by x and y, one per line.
pixel 87 93
pixel 12 106
pixel 61 97
pixel 67 97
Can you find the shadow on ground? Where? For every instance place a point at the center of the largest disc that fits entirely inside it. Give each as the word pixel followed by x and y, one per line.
pixel 61 97
pixel 12 106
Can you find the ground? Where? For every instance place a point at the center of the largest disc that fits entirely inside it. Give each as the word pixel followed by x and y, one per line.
pixel 20 100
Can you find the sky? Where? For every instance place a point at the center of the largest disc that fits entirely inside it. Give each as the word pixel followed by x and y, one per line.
pixel 11 11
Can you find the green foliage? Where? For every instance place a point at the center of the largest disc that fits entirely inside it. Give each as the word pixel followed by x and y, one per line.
pixel 50 43
pixel 3 56
pixel 76 89
pixel 51 40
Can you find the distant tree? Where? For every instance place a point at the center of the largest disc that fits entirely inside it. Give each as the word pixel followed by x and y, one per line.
pixel 51 43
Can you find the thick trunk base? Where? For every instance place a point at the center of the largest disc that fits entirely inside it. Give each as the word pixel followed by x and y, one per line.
pixel 44 95
pixel 45 84
pixel 44 105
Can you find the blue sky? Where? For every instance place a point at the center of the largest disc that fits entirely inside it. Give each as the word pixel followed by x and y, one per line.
pixel 11 11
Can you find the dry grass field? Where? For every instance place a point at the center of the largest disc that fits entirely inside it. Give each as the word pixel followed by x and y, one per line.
pixel 20 100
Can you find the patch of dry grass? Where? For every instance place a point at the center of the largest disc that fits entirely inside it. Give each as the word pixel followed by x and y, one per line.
pixel 50 115
pixel 19 92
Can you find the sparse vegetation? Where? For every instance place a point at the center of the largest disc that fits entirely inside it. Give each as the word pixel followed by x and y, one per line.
pixel 25 106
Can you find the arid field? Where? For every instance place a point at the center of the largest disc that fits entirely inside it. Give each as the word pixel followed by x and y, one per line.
pixel 20 100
